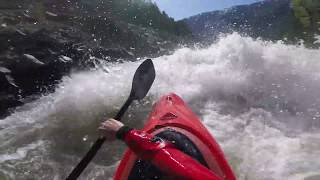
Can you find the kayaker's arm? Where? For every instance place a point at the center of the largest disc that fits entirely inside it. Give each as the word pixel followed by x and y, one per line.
pixel 163 155
pixel 160 153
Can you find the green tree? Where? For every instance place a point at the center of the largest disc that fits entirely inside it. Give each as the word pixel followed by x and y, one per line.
pixel 308 13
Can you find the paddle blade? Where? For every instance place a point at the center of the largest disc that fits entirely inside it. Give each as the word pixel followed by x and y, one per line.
pixel 142 80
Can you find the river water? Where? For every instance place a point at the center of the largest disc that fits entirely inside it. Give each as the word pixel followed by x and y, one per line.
pixel 260 100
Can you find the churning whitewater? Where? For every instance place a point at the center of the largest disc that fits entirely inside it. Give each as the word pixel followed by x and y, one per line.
pixel 260 100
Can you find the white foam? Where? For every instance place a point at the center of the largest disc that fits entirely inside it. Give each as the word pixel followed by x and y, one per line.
pixel 258 151
pixel 20 153
pixel 280 78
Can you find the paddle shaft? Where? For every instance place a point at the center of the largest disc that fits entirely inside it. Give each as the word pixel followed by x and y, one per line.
pixel 96 146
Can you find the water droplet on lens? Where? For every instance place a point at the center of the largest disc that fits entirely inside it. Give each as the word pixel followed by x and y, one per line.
pixel 85 138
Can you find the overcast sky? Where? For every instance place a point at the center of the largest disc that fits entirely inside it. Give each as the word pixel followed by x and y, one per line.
pixel 179 9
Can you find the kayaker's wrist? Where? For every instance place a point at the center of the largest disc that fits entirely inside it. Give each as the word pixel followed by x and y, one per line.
pixel 109 128
pixel 121 133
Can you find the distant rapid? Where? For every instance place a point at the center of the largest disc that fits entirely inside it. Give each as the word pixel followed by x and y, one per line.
pixel 260 100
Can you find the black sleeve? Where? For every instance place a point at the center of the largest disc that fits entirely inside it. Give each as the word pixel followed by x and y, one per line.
pixel 123 131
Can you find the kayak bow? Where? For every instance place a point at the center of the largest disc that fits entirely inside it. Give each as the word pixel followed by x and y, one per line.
pixel 171 114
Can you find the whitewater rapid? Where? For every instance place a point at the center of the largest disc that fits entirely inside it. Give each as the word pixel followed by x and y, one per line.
pixel 260 100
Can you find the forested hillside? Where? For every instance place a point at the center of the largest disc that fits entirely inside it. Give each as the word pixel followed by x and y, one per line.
pixel 287 20
pixel 308 13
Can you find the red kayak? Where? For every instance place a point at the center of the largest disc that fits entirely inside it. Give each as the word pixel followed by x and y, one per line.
pixel 172 120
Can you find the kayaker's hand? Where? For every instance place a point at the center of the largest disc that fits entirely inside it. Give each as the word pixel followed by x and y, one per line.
pixel 109 128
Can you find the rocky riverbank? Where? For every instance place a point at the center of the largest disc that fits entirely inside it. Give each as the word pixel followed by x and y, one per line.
pixel 35 53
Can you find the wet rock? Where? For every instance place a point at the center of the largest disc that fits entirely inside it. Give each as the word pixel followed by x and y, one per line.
pixel 8 92
pixel 4 70
pixel 51 14
pixel 65 59
pixel 33 60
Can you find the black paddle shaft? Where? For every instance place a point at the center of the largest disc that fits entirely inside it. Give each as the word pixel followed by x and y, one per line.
pixel 142 81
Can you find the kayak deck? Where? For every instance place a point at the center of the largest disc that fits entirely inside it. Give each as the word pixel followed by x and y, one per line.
pixel 170 113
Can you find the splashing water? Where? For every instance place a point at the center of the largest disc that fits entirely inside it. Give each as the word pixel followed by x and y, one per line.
pixel 259 99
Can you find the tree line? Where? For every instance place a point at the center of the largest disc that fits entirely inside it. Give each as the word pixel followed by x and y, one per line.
pixel 308 13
